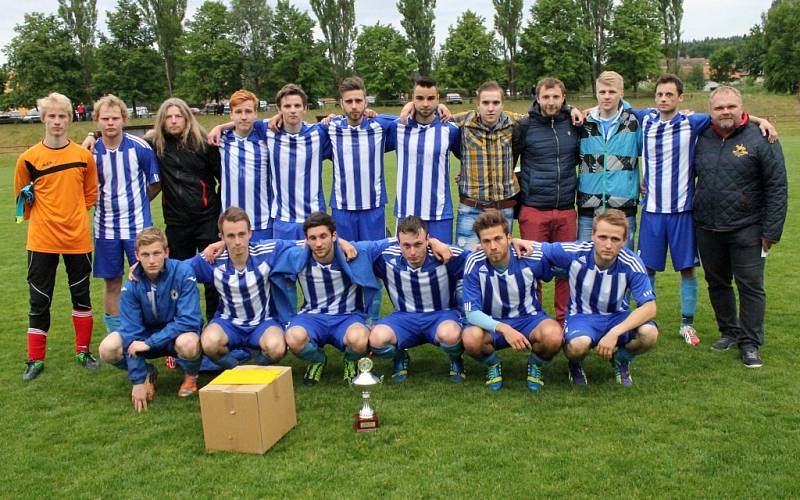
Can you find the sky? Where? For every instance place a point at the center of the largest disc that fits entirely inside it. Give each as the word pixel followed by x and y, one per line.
pixel 729 17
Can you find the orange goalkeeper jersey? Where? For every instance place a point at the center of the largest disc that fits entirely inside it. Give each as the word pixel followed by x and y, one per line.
pixel 64 188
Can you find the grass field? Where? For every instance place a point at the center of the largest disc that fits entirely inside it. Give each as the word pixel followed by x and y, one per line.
pixel 697 423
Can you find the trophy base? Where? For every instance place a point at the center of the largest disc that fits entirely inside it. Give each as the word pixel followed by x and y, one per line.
pixel 362 424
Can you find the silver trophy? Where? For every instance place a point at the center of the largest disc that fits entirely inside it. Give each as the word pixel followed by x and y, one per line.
pixel 367 418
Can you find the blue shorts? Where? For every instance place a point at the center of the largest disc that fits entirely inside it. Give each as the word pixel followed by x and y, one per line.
pixel 287 230
pixel 360 225
pixel 442 230
pixel 262 234
pixel 244 336
pixel 657 231
pixel 595 326
pixel 523 324
pixel 413 329
pixel 108 257
pixel 327 329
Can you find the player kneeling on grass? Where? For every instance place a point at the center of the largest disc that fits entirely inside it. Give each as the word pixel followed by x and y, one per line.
pixel 502 305
pixel 159 316
pixel 602 272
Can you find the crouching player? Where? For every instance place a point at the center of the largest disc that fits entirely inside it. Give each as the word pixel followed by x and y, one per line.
pixel 422 290
pixel 502 306
pixel 601 273
pixel 159 316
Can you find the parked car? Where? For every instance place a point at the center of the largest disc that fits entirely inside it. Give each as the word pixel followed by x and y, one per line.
pixel 453 99
pixel 33 116
pixel 141 112
pixel 10 117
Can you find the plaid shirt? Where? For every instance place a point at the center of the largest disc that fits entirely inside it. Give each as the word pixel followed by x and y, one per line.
pixel 487 162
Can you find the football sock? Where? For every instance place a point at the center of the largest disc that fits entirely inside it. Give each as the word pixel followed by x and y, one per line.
pixel 491 359
pixel 112 322
pixel 311 353
pixel 623 355
pixel 191 366
pixel 263 360
pixel 537 360
pixel 83 322
pixel 351 355
pixel 385 351
pixel 227 360
pixel 37 344
pixel 688 298
pixel 453 350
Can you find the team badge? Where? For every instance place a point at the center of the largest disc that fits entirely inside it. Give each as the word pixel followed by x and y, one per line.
pixel 173 294
pixel 740 151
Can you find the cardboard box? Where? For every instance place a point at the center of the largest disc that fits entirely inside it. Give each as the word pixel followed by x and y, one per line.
pixel 248 418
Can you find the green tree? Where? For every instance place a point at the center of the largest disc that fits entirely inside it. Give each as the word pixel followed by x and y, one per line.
pixel 383 59
pixel 782 39
pixel 211 63
pixel 697 78
pixel 417 21
pixel 80 19
pixel 753 51
pixel 337 21
pixel 634 41
pixel 722 63
pixel 671 18
pixel 41 59
pixel 126 63
pixel 507 24
pixel 469 55
pixel 298 58
pixel 250 21
pixel 165 18
pixel 555 43
pixel 596 18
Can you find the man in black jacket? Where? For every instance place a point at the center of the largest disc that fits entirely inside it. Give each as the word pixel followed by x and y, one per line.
pixel 549 146
pixel 739 210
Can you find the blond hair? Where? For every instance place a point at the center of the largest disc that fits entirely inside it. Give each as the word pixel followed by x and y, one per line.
pixel 614 217
pixel 55 101
pixel 611 78
pixel 150 235
pixel 109 100
pixel 193 136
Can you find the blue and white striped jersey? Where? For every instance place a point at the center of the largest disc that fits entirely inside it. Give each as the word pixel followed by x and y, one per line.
pixel 245 176
pixel 296 170
pixel 358 178
pixel 423 168
pixel 430 287
pixel 123 205
pixel 506 294
pixel 599 291
pixel 244 295
pixel 668 155
pixel 328 290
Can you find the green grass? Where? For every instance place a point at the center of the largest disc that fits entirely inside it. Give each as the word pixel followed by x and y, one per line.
pixel 697 423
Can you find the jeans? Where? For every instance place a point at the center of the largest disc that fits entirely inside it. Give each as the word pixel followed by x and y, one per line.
pixel 585 229
pixel 465 236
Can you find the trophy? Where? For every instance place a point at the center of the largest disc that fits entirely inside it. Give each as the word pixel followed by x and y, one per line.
pixel 366 418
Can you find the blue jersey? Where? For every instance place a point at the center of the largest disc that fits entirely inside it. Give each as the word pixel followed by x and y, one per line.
pixel 599 291
pixel 296 170
pixel 245 177
pixel 668 155
pixel 423 168
pixel 510 293
pixel 430 287
pixel 358 179
pixel 327 289
pixel 244 294
pixel 123 205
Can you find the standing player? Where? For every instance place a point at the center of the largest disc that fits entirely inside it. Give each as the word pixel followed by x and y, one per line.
pixel 63 178
pixel 602 272
pixel 160 317
pixel 423 292
pixel 128 176
pixel 502 305
pixel 423 146
pixel 244 166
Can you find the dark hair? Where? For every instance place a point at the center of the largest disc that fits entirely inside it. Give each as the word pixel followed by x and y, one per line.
pixel 319 219
pixel 670 78
pixel 411 225
pixel 490 85
pixel 425 82
pixel 352 83
pixel 490 218
pixel 291 89
pixel 233 214
pixel 611 216
pixel 549 83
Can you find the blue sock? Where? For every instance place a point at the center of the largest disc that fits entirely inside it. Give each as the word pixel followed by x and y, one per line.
pixel 311 353
pixel 112 322
pixel 652 279
pixel 688 298
pixel 191 366
pixel 385 351
pixel 576 361
pixel 624 355
pixel 122 364
pixel 491 359
pixel 453 350
pixel 351 355
pixel 263 360
pixel 375 307
pixel 228 361
pixel 537 360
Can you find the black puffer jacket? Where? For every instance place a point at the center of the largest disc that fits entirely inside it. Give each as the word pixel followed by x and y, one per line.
pixel 550 150
pixel 741 181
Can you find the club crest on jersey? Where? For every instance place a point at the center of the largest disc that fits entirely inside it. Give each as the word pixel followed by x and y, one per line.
pixel 740 150
pixel 173 294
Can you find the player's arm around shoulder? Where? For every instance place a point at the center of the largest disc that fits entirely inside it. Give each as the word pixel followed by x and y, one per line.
pixel 90 180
